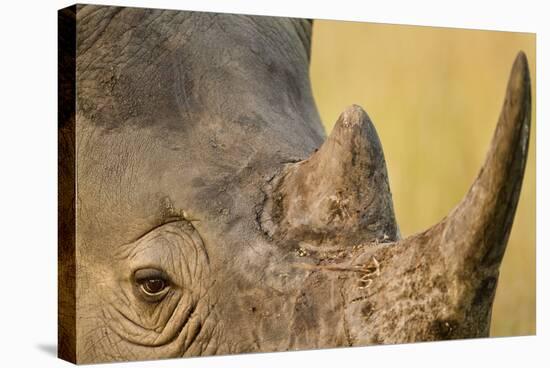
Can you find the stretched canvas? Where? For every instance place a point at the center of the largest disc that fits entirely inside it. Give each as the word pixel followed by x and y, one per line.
pixel 223 187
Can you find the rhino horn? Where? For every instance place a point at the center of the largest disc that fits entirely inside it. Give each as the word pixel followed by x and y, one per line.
pixel 341 191
pixel 477 230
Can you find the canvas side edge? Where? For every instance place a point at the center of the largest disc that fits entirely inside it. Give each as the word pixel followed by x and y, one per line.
pixel 66 343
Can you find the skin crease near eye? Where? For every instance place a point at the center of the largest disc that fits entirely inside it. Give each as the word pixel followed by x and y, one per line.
pixel 150 289
pixel 166 257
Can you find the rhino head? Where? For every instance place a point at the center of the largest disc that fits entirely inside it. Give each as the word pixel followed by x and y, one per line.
pixel 213 217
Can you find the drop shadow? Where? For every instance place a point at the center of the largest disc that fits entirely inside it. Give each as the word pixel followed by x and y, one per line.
pixel 50 349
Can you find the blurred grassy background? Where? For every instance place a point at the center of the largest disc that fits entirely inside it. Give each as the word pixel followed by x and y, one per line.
pixel 434 95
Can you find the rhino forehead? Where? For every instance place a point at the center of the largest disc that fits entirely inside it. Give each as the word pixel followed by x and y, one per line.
pixel 133 180
pixel 149 67
pixel 202 121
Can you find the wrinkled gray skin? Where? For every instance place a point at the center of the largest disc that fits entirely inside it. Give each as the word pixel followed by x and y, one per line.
pixel 195 147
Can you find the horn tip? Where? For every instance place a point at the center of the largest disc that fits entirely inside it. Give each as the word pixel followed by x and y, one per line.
pixel 521 61
pixel 354 115
pixel 354 135
pixel 520 71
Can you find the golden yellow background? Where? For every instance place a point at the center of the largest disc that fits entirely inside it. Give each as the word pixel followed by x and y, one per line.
pixel 434 95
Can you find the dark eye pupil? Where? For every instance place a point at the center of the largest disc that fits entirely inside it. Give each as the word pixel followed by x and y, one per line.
pixel 154 286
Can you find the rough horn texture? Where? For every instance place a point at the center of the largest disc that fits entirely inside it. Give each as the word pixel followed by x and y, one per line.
pixel 207 223
pixel 341 193
pixel 478 229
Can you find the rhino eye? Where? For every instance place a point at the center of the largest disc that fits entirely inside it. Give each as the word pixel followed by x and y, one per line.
pixel 152 284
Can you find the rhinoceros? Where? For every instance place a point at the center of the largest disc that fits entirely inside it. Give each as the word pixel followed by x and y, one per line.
pixel 203 211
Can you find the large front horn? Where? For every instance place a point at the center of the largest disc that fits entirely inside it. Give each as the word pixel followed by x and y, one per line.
pixel 342 193
pixel 477 230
